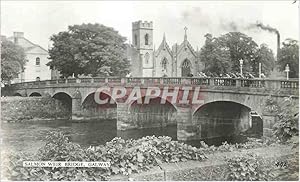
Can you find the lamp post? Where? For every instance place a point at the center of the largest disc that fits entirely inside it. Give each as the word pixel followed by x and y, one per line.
pixel 259 70
pixel 287 70
pixel 241 66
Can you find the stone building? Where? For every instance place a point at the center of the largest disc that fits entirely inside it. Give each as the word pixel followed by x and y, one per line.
pixel 37 58
pixel 180 60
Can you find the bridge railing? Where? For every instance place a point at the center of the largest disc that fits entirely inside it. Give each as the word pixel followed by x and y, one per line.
pixel 206 82
pixel 252 83
pixel 224 82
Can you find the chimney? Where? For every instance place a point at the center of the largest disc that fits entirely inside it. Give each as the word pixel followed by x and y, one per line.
pixel 18 35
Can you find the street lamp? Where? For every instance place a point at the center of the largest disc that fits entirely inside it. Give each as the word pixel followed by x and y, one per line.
pixel 241 66
pixel 259 70
pixel 287 70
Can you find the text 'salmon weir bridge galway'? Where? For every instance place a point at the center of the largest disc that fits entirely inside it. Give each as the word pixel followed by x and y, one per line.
pixel 223 105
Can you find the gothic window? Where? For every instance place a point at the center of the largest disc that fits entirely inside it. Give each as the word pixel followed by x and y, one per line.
pixel 186 68
pixel 146 39
pixel 164 64
pixel 37 61
pixel 135 39
pixel 147 57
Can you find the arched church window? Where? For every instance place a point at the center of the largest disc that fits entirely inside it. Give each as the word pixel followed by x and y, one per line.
pixel 37 61
pixel 135 39
pixel 164 63
pixel 146 39
pixel 186 68
pixel 186 63
pixel 147 57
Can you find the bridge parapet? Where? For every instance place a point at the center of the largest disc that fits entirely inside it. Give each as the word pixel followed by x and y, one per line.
pixel 239 85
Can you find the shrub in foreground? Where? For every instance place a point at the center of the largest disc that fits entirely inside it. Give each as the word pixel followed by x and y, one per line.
pixel 246 168
pixel 125 156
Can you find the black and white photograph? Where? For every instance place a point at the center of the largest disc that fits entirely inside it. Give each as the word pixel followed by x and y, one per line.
pixel 149 90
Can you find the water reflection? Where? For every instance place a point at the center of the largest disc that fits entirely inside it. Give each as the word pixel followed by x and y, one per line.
pixel 30 136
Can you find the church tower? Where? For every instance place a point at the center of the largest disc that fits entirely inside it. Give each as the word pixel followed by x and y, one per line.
pixel 142 40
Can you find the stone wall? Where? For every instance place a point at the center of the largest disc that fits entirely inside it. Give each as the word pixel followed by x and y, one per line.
pixel 17 109
pixel 99 113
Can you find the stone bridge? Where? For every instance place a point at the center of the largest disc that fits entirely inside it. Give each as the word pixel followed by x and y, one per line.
pixel 224 109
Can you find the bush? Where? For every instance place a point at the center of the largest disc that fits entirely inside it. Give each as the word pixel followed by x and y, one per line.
pixel 125 156
pixel 226 147
pixel 20 109
pixel 246 168
pixel 287 126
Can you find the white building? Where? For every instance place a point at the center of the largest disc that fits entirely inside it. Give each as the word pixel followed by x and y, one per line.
pixel 37 58
pixel 179 60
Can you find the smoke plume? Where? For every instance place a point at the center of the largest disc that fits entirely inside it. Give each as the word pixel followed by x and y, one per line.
pixel 264 27
pixel 270 29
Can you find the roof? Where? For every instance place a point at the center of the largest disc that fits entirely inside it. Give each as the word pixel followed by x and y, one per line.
pixel 188 45
pixel 163 46
pixel 27 44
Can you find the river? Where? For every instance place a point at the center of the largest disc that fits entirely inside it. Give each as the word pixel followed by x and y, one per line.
pixel 30 136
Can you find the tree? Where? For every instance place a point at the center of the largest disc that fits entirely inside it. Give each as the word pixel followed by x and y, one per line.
pixel 265 56
pixel 89 49
pixel 12 60
pixel 240 47
pixel 214 56
pixel 222 54
pixel 289 54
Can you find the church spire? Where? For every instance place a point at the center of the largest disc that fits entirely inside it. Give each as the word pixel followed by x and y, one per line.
pixel 164 41
pixel 185 36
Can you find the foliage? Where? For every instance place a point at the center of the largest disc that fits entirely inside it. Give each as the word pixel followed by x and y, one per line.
pixel 289 54
pixel 286 170
pixel 21 109
pixel 222 54
pixel 125 156
pixel 288 124
pixel 271 106
pixel 246 168
pixel 215 58
pixel 265 56
pixel 89 49
pixel 12 60
pixel 226 147
pixel 240 47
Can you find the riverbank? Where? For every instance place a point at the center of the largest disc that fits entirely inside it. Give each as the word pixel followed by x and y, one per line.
pixel 21 109
pixel 216 168
pixel 158 159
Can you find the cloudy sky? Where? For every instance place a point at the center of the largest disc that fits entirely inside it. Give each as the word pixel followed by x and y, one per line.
pixel 41 19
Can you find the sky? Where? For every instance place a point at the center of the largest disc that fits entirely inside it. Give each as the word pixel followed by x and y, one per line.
pixel 41 19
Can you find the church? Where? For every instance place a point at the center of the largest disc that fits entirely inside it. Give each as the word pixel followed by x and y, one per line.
pixel 180 60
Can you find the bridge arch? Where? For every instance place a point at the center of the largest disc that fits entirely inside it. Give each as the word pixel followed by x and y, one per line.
pixel 60 91
pixel 254 102
pixel 65 99
pixel 88 94
pixel 93 110
pixel 17 94
pixel 35 94
pixel 168 101
pixel 225 118
pixel 153 114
